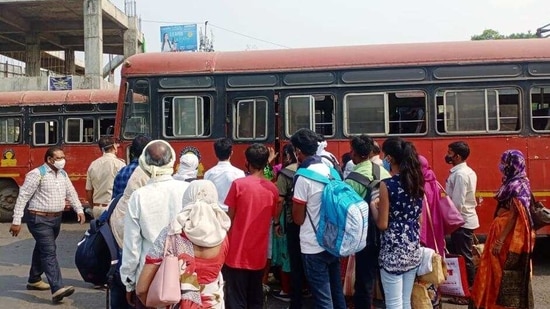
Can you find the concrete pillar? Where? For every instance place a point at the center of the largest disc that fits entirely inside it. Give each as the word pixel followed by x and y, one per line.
pixel 131 38
pixel 93 41
pixel 32 55
pixel 70 67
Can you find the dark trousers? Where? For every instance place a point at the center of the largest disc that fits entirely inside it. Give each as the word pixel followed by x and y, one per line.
pixel 243 288
pixel 296 266
pixel 366 268
pixel 463 244
pixel 44 259
pixel 118 290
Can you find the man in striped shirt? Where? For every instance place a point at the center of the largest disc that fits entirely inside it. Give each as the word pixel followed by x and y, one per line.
pixel 45 189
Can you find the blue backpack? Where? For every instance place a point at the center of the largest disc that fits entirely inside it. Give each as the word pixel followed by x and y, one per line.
pixel 343 216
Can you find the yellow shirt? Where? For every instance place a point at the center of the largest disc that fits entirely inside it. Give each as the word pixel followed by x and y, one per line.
pixel 101 175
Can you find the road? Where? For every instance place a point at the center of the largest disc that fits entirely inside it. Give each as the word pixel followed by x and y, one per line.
pixel 15 256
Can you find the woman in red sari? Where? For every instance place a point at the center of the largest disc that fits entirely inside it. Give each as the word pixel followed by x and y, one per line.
pixel 503 279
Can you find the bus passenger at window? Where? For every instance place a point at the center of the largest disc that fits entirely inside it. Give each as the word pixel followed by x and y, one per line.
pixel 461 188
pixel 101 175
pixel 223 174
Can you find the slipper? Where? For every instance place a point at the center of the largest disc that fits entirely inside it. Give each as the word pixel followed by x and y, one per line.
pixel 459 301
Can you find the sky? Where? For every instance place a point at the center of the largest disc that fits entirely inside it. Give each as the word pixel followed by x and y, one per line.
pixel 263 24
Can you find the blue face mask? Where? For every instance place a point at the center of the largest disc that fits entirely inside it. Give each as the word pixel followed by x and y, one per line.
pixel 386 165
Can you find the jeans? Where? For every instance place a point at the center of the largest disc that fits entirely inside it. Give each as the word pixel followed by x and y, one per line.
pixel 463 244
pixel 398 288
pixel 296 265
pixel 323 275
pixel 44 259
pixel 366 268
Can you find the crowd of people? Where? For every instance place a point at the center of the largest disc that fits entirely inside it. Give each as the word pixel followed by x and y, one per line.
pixel 230 229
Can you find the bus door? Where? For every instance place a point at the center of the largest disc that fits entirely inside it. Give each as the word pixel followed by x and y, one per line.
pixel 252 119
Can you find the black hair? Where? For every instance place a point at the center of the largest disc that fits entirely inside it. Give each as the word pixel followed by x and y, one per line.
pixel 375 148
pixel 410 171
pixel 223 147
pixel 460 148
pixel 50 152
pixel 139 142
pixel 346 157
pixel 305 140
pixel 362 145
pixel 106 143
pixel 257 156
pixel 288 149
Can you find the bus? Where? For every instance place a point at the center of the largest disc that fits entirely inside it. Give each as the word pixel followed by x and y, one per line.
pixel 33 121
pixel 495 95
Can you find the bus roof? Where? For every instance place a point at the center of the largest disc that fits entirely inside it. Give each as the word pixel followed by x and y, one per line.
pixel 323 58
pixel 58 97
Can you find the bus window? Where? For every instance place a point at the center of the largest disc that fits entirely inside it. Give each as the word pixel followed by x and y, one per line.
pixel 79 130
pixel 45 133
pixel 10 130
pixel 315 112
pixel 250 119
pixel 106 126
pixel 540 108
pixel 478 111
pixel 186 116
pixel 137 110
pixel 382 113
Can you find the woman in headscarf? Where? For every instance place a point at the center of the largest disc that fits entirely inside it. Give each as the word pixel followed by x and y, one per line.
pixel 432 234
pixel 503 279
pixel 188 167
pixel 201 246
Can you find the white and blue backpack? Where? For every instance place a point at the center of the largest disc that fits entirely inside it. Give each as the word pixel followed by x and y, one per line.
pixel 343 216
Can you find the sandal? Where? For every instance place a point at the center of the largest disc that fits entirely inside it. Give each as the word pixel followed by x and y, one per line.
pixel 459 301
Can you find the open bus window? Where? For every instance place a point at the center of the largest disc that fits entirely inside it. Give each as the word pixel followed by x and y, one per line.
pixel 540 108
pixel 478 110
pixel 381 113
pixel 106 126
pixel 315 112
pixel 45 132
pixel 250 119
pixel 79 130
pixel 186 116
pixel 10 130
pixel 137 110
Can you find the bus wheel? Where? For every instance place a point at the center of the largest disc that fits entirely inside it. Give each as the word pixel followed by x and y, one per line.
pixel 8 195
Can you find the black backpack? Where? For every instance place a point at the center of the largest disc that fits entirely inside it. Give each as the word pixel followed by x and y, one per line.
pixel 373 233
pixel 96 256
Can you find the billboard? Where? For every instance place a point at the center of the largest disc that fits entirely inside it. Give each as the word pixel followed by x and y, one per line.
pixel 60 83
pixel 178 38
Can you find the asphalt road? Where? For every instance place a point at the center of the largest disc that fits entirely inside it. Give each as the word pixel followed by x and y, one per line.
pixel 15 256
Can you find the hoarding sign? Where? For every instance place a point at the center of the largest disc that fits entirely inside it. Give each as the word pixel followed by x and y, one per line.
pixel 178 38
pixel 60 83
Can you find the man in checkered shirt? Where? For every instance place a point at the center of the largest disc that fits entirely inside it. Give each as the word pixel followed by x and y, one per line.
pixel 45 194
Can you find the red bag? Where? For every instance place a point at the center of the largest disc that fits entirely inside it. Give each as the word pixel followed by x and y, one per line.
pixel 450 215
pixel 349 280
pixel 457 279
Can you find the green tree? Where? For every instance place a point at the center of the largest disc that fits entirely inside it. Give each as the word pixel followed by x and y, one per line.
pixel 490 34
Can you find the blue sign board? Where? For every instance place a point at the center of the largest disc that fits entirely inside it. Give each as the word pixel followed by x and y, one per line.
pixel 60 83
pixel 178 38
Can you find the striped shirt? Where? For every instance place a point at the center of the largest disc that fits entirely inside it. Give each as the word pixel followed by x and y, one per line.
pixel 45 193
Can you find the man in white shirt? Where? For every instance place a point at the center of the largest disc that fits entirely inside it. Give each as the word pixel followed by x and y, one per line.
pixel 150 209
pixel 461 188
pixel 321 268
pixel 223 174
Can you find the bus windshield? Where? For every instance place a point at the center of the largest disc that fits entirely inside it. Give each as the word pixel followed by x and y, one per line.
pixel 137 117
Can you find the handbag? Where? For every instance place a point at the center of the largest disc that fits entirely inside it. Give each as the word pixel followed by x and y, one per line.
pixel 439 268
pixel 165 288
pixel 539 213
pixel 420 298
pixel 349 279
pixel 477 252
pixel 450 215
pixel 457 279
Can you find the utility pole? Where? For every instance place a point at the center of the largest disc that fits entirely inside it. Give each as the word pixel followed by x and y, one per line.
pixel 206 44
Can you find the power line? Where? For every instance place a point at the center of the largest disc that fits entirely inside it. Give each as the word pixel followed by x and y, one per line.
pixel 218 27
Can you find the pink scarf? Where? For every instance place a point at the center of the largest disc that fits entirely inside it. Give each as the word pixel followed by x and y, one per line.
pixel 431 238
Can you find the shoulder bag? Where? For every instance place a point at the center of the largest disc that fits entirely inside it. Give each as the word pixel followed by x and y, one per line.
pixel 165 288
pixel 451 216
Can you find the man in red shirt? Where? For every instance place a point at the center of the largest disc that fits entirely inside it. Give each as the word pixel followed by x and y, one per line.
pixel 252 203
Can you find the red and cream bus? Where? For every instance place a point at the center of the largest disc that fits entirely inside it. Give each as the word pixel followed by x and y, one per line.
pixel 33 121
pixel 495 95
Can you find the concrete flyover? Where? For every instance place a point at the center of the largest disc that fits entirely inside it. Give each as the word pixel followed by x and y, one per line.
pixel 29 28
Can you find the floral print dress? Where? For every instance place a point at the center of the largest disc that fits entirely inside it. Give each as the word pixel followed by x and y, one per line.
pixel 400 242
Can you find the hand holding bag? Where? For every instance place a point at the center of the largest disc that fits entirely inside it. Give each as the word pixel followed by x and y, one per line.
pixel 477 251
pixel 451 216
pixel 165 288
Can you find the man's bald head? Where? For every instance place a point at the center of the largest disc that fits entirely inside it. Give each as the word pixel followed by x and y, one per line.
pixel 158 153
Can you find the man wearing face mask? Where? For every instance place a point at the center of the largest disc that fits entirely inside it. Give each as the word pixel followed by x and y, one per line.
pixel 101 175
pixel 45 190
pixel 461 188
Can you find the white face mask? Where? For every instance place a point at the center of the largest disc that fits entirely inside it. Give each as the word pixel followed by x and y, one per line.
pixel 59 164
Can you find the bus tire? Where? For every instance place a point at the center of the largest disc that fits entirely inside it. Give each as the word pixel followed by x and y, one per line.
pixel 8 196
